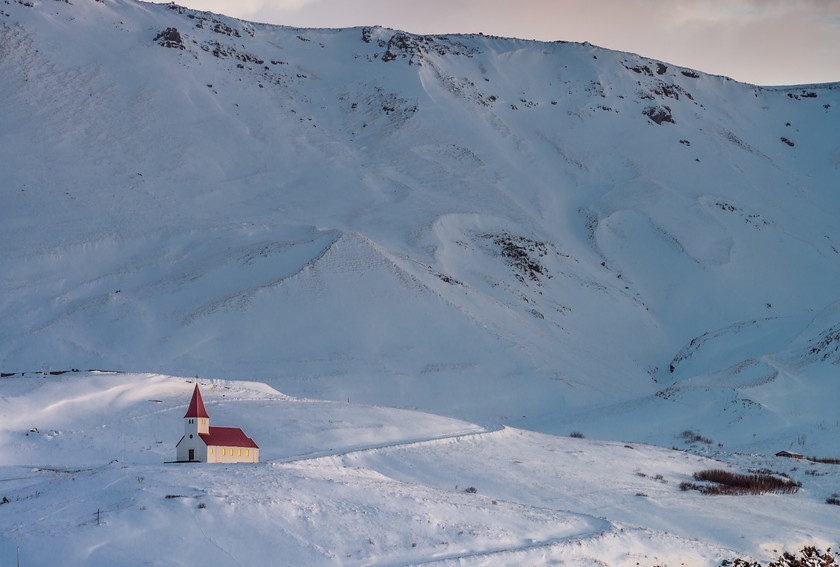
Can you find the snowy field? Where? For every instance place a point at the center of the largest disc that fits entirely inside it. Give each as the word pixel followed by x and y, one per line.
pixel 84 474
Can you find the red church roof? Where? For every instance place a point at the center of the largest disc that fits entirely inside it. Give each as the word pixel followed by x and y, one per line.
pixel 227 437
pixel 196 408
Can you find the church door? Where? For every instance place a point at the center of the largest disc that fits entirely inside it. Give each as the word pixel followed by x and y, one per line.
pixel 192 454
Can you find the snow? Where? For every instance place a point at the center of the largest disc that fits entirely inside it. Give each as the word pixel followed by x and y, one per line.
pixel 353 484
pixel 447 253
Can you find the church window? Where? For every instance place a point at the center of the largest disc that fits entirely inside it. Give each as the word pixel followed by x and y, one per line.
pixel 239 452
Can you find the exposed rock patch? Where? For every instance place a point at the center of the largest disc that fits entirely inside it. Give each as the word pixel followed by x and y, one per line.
pixel 228 51
pixel 402 45
pixel 522 254
pixel 801 95
pixel 170 37
pixel 826 345
pixel 641 69
pixel 206 20
pixel 671 91
pixel 659 114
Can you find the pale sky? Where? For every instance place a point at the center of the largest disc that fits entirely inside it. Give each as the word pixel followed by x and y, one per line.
pixel 766 42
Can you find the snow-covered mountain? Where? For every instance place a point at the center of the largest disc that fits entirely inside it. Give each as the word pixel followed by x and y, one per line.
pixel 482 227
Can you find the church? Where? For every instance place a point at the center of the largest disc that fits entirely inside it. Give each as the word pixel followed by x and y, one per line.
pixel 204 444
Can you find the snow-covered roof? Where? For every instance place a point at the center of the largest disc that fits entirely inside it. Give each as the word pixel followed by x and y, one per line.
pixel 788 454
pixel 196 408
pixel 227 437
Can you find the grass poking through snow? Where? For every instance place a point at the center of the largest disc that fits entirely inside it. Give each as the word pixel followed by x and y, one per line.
pixel 725 482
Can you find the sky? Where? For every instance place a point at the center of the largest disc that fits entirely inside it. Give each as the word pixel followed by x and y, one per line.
pixel 765 42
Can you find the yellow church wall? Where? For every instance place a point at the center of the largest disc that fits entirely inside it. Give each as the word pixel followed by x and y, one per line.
pixel 217 454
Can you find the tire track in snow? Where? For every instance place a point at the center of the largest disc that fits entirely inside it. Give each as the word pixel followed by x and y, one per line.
pixel 459 558
pixel 387 445
pixel 600 526
pixel 593 547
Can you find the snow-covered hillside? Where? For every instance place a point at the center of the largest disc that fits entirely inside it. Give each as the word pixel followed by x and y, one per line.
pixel 549 237
pixel 343 484
pixel 482 227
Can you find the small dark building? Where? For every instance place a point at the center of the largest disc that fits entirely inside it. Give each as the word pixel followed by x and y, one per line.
pixel 789 455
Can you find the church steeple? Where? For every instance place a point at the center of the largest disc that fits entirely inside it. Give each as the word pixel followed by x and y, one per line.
pixel 196 420
pixel 196 408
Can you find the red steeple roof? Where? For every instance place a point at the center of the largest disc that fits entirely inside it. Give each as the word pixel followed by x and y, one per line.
pixel 196 408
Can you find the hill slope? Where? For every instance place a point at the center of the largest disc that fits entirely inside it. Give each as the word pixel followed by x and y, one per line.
pixel 84 483
pixel 494 229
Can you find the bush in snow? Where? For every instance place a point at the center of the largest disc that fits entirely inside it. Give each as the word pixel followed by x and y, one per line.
pixel 725 482
pixel 692 437
pixel 826 460
pixel 810 556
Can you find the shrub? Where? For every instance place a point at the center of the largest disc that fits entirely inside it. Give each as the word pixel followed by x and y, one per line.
pixel 828 461
pixel 809 556
pixel 833 499
pixel 576 434
pixel 692 437
pixel 725 482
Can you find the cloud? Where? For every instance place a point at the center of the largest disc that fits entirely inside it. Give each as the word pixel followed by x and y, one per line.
pixel 764 42
pixel 743 11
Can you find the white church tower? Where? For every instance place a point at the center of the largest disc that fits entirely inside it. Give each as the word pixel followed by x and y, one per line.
pixel 196 423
